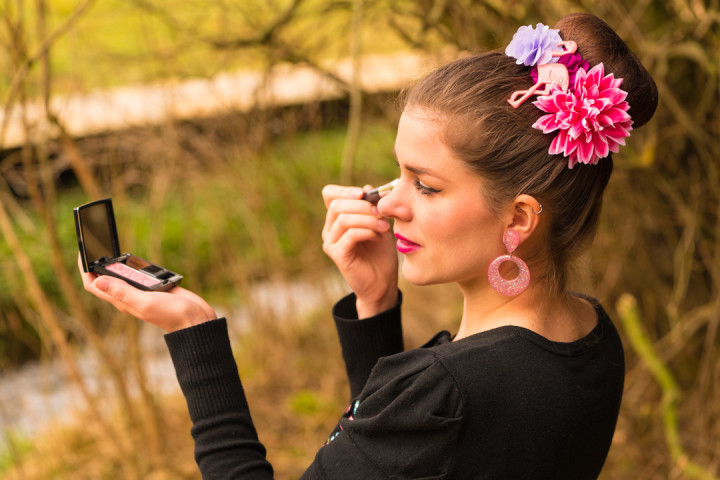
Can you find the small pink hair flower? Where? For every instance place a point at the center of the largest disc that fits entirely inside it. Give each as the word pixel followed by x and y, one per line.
pixel 572 61
pixel 591 118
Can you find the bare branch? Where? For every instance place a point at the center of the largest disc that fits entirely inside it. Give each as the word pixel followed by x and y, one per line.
pixel 24 69
pixel 264 37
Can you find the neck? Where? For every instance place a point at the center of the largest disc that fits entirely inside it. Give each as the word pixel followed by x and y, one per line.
pixel 484 309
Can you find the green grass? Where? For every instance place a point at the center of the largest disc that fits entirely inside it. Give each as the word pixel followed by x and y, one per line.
pixel 259 214
pixel 20 446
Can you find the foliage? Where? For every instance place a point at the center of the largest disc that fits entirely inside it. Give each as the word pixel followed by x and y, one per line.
pixel 234 201
pixel 121 42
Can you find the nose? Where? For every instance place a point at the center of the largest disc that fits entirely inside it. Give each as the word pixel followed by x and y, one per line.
pixel 394 204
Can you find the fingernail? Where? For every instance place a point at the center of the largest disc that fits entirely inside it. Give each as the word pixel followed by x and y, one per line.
pixel 102 284
pixel 384 225
pixel 355 192
pixel 375 211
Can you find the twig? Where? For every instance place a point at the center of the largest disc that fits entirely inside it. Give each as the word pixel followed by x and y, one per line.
pixel 265 37
pixel 355 120
pixel 76 159
pixel 24 69
pixel 50 322
pixel 630 316
pixel 45 182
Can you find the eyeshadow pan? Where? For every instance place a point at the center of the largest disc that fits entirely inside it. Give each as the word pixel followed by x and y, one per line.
pixel 132 274
pixel 136 262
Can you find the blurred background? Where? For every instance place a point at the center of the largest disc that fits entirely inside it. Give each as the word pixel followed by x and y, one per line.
pixel 214 127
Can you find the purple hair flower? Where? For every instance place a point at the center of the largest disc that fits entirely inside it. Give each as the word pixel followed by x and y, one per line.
pixel 573 62
pixel 534 46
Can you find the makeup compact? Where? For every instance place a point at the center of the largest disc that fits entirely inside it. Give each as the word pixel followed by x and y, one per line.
pixel 100 250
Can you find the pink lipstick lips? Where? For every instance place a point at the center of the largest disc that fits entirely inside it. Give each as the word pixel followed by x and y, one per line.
pixel 404 245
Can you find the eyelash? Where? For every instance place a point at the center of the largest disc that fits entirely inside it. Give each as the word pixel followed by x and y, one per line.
pixel 424 189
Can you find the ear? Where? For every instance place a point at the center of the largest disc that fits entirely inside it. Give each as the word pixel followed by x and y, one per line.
pixel 525 215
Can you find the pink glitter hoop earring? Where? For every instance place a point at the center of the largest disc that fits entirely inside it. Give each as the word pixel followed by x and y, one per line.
pixel 511 239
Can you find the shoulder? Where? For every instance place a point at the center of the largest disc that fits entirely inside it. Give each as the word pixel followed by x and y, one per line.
pixel 600 336
pixel 406 422
pixel 415 378
pixel 496 362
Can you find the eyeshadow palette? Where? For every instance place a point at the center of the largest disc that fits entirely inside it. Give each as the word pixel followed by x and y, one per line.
pixel 100 250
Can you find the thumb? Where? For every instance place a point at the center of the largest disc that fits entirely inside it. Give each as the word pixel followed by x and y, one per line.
pixel 117 289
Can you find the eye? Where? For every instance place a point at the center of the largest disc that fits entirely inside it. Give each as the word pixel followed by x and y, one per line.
pixel 424 189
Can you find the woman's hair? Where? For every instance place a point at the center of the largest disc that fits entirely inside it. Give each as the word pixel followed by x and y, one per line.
pixel 469 98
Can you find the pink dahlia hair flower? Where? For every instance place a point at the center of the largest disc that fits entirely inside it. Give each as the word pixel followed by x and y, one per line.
pixel 591 118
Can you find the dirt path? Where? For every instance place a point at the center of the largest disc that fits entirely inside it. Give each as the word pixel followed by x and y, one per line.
pixel 133 106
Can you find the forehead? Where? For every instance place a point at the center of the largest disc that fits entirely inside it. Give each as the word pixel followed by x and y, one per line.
pixel 419 145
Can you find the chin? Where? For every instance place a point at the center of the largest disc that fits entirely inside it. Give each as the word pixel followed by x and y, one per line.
pixel 419 276
pixel 434 273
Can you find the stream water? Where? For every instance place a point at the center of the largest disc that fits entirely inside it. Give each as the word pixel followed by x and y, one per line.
pixel 40 394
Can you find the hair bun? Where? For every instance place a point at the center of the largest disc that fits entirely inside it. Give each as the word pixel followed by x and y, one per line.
pixel 597 43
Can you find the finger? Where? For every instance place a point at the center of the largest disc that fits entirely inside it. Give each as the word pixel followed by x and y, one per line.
pixel 80 266
pixel 356 236
pixel 349 245
pixel 87 277
pixel 347 221
pixel 120 294
pixel 332 192
pixel 343 206
pixel 346 246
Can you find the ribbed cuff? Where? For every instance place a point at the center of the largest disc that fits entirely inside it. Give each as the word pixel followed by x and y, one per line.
pixel 205 368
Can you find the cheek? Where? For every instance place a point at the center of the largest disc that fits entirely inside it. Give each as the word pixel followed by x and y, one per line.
pixel 472 239
pixel 464 225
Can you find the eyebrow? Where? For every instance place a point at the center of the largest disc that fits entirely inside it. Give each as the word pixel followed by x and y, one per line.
pixel 419 171
pixel 415 170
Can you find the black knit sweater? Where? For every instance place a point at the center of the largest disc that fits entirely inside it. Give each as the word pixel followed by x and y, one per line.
pixel 501 404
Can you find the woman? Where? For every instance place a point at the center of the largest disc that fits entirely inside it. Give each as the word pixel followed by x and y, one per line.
pixel 503 158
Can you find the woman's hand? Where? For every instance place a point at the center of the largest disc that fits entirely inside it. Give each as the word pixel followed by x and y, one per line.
pixel 360 242
pixel 172 310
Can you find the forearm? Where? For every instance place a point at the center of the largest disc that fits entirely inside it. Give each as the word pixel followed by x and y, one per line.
pixel 226 443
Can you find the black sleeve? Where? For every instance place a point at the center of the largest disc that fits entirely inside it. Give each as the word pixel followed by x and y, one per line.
pixel 226 443
pixel 365 341
pixel 373 437
pixel 405 424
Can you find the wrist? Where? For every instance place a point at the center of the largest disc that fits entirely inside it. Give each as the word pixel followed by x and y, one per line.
pixel 192 318
pixel 370 308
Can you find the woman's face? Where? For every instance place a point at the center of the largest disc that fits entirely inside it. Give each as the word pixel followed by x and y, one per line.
pixel 443 224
